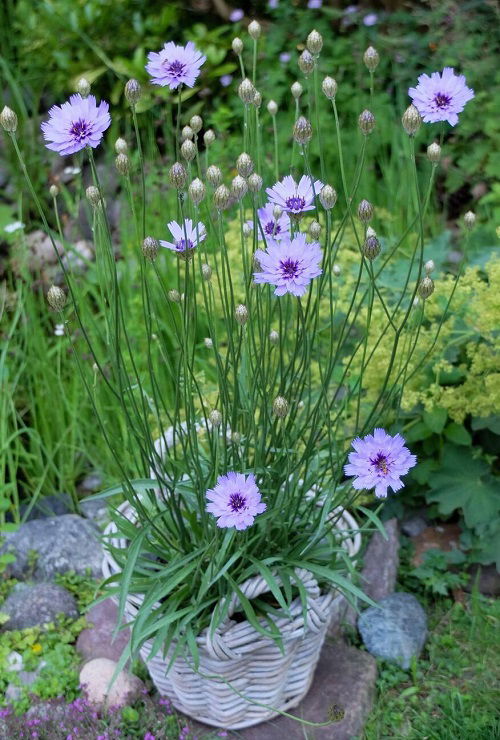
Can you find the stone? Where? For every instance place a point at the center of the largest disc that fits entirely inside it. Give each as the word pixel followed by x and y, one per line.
pixel 96 510
pixel 36 604
pixel 53 505
pixel 61 543
pixel 413 525
pixel 440 537
pixel 95 677
pixel 90 484
pixel 394 630
pixel 41 251
pixel 96 641
pixel 488 580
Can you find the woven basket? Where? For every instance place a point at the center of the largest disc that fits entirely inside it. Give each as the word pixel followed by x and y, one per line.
pixel 249 662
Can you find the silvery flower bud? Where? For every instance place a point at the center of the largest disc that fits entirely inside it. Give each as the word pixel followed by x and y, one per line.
pixel 314 42
pixel 257 99
pixel 366 122
pixel 272 108
pixel 429 266
pixel 93 196
pixel 132 91
pixel 215 418
pixel 246 91
pixel 187 133
pixel 177 175
pixel 365 211
pixel 174 296
pixel 121 146
pixel 247 230
pixel 214 175
pixel 302 131
pixel 336 270
pixel 434 153
pixel 241 314
pixel 329 87
pixel 371 247
pixel 222 198
pixel 237 46
pixel 208 343
pixel 196 191
pixel 150 248
pixel 208 137
pixel 306 62
pixel 56 298
pixel 122 164
pixel 83 87
pixel 327 197
pixel 297 90
pixel 254 29
pixel 315 230
pixel 188 150
pixel 206 272
pixel 8 120
pixel 54 191
pixel 469 220
pixel 239 187
pixel 244 165
pixel 274 337
pixel 371 58
pixel 255 183
pixel 411 120
pixel 235 438
pixel 196 123
pixel 277 212
pixel 426 287
pixel 280 407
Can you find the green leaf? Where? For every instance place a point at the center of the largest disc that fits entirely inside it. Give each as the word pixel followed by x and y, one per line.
pixel 418 432
pixel 139 485
pixel 375 520
pixel 458 434
pixel 435 419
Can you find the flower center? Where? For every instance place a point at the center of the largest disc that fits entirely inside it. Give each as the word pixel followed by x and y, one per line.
pixel 237 502
pixel 380 463
pixel 182 245
pixel 289 268
pixel 79 129
pixel 295 203
pixel 272 228
pixel 442 100
pixel 176 68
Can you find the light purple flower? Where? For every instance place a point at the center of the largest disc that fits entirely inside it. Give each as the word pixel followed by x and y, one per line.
pixel 273 228
pixel 273 4
pixel 186 237
pixel 378 462
pixel 441 97
pixel 350 9
pixel 175 65
pixel 76 124
pixel 295 198
pixel 370 19
pixel 285 57
pixel 149 736
pixel 315 4
pixel 235 500
pixel 290 264
pixel 236 15
pixel 226 80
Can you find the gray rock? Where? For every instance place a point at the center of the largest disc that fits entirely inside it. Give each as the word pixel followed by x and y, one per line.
pixel 380 563
pixel 90 484
pixel 55 505
pixel 96 676
pixel 96 510
pixel 395 630
pixel 96 641
pixel 37 604
pixel 62 543
pixel 412 526
pixel 41 251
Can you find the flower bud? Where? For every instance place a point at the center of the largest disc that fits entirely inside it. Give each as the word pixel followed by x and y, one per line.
pixel 254 29
pixel 121 146
pixel 244 165
pixel 365 211
pixel 208 343
pixel 411 120
pixel 174 296
pixel 257 99
pixel 297 90
pixel 274 337
pixel 272 108
pixel 239 187
pixel 196 123
pixel 150 248
pixel 469 220
pixel 235 438
pixel 277 212
pixel 188 150
pixel 241 314
pixel 54 191
pixel 366 122
pixel 329 87
pixel 208 137
pixel 371 58
pixel 314 42
pixel 8 120
pixel 187 133
pixel 177 175
pixel 306 62
pixel 215 418
pixel 255 183
pixel 327 197
pixel 370 232
pixel 56 298
pixel 371 247
pixel 302 131
pixel 214 175
pixel 426 287
pixel 237 46
pixel 315 230
pixel 336 270
pixel 93 196
pixel 196 191
pixel 122 164
pixel 434 153
pixel 280 407
pixel 206 272
pixel 222 198
pixel 132 92
pixel 429 266
pixel 247 230
pixel 83 87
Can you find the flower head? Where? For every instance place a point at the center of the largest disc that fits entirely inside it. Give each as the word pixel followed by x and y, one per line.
pixel 270 226
pixel 379 461
pixel 441 97
pixel 235 500
pixel 314 4
pixel 236 15
pixel 290 264
pixel 186 237
pixel 78 123
pixel 226 80
pixel 175 65
pixel 293 197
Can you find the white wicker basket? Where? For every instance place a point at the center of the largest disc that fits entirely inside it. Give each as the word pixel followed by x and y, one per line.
pixel 250 663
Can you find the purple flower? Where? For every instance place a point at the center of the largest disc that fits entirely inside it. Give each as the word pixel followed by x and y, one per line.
pixel 285 57
pixel 290 265
pixel 273 228
pixel 186 236
pixel 76 124
pixel 370 19
pixel 273 4
pixel 235 500
pixel 175 65
pixel 315 4
pixel 295 198
pixel 149 736
pixel 226 80
pixel 378 462
pixel 236 15
pixel 441 97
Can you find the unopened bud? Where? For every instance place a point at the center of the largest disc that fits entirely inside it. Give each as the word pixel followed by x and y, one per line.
pixel 188 150
pixel 371 247
pixel 215 418
pixel 177 175
pixel 206 272
pixel 297 90
pixel 434 153
pixel 150 248
pixel 54 191
pixel 277 212
pixel 411 120
pixel 272 107
pixel 83 87
pixel 208 343
pixel 257 99
pixel 8 120
pixel 366 122
pixel 426 287
pixel 302 131
pixel 315 230
pixel 222 198
pixel 122 164
pixel 239 187
pixel 247 230
pixel 196 191
pixel 241 314
pixel 255 183
pixel 121 146
pixel 329 87
pixel 274 337
pixel 208 137
pixel 132 91
pixel 254 30
pixel 196 123
pixel 336 270
pixel 429 266
pixel 93 196
pixel 306 62
pixel 174 296
pixel 187 133
pixel 280 407
pixel 214 175
pixel 371 58
pixel 469 220
pixel 365 211
pixel 327 197
pixel 314 42
pixel 56 298
pixel 244 165
pixel 235 438
pixel 237 46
